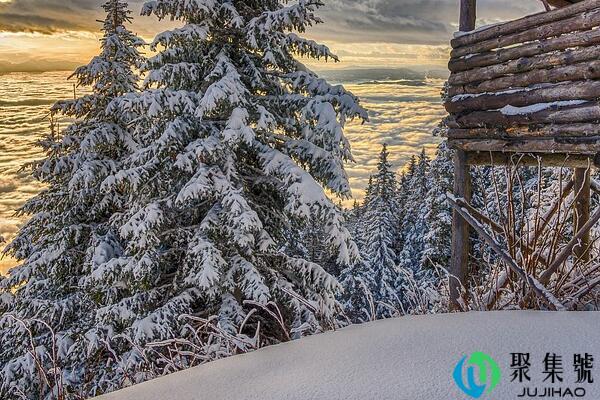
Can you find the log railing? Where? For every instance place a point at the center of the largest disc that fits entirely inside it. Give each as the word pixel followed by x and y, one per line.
pixel 537 78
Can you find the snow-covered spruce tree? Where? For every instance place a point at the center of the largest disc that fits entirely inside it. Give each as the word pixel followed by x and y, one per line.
pixel 438 216
pixel 380 230
pixel 413 222
pixel 358 280
pixel 238 143
pixel 70 231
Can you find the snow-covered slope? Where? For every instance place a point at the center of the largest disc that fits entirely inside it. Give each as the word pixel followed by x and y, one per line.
pixel 408 358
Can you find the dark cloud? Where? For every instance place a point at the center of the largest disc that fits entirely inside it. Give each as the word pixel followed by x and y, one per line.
pixel 36 24
pixel 347 21
pixel 408 21
pixel 52 16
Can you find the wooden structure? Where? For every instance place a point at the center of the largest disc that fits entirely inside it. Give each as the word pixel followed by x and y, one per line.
pixel 529 86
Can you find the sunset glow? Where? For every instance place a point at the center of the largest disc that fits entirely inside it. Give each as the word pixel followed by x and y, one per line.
pixel 38 36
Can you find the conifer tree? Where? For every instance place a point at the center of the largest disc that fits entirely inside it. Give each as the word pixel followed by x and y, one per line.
pixel 358 280
pixel 413 223
pixel 71 229
pixel 238 144
pixel 380 219
pixel 438 215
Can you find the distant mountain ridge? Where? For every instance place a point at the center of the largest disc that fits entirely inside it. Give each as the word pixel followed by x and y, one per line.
pixel 378 75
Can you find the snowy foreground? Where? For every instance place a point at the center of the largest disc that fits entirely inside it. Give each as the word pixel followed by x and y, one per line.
pixel 406 358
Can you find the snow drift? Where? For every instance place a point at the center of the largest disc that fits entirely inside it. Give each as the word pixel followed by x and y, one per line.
pixel 406 358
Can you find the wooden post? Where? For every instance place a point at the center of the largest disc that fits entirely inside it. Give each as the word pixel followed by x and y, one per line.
pixel 581 211
pixel 468 15
pixel 462 189
pixel 460 232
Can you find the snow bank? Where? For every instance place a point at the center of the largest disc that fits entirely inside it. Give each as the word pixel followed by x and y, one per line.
pixel 408 358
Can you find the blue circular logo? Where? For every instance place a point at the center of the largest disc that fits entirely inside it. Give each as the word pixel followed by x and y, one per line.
pixel 481 372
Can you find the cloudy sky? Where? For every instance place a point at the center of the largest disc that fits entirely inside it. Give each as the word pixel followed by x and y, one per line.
pixel 363 32
pixel 403 34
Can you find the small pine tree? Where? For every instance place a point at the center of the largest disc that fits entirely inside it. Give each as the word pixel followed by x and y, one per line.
pixel 378 226
pixel 71 231
pixel 438 215
pixel 414 223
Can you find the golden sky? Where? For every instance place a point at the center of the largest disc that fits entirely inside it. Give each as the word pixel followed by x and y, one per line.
pixel 59 34
pixel 51 35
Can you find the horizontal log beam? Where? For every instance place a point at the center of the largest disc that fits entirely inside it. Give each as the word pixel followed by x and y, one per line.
pixel 529 160
pixel 579 22
pixel 584 90
pixel 524 23
pixel 567 41
pixel 573 146
pixel 524 64
pixel 555 130
pixel 587 112
pixel 574 72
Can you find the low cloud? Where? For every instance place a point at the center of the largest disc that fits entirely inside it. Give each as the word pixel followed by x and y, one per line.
pixel 7 186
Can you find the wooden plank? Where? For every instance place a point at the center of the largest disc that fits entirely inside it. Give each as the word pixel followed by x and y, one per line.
pixel 581 212
pixel 468 15
pixel 524 23
pixel 582 90
pixel 547 160
pixel 550 145
pixel 587 112
pixel 533 131
pixel 524 64
pixel 535 285
pixel 571 40
pixel 579 22
pixel 458 273
pixel 567 73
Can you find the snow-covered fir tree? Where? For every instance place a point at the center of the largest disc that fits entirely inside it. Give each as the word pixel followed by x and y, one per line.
pixel 413 223
pixel 70 232
pixel 378 226
pixel 196 206
pixel 237 144
pixel 438 215
pixel 394 220
pixel 358 280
